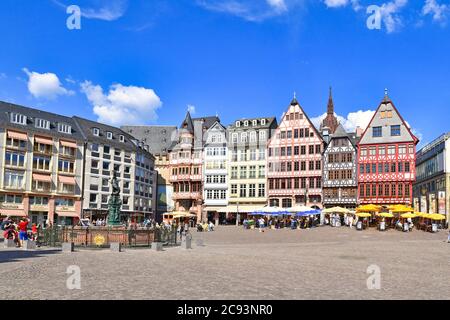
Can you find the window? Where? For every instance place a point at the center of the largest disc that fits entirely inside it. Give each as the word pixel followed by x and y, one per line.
pixel 109 135
pixel 407 167
pixel 66 166
pixel 64 128
pixel 42 124
pixel 391 150
pixel 233 189
pixel 243 171
pixel 243 190
pixel 363 152
pixel 262 172
pixel 395 130
pixel 244 137
pixel 13 179
pixel 238 124
pixel 106 149
pixel 122 138
pixel 377 132
pixel 261 190
pixel 252 172
pixel 246 123
pixel 252 190
pixel 41 163
pixel 38 201
pixel 234 137
pixel 18 118
pixel 254 123
pixel 262 136
pixel 14 159
pixel 93 198
pixel 263 122
pixel 94 147
pixel 96 132
pixel 11 198
pixel 16 143
pixel 67 151
pixel 234 172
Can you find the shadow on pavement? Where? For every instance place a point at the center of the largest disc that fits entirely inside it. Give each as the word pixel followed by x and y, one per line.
pixel 14 255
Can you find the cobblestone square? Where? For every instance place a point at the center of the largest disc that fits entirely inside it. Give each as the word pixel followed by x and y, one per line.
pixel 232 263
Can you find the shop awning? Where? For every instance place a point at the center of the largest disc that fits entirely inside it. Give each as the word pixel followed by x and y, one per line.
pixel 67 180
pixel 68 214
pixel 17 135
pixel 68 144
pixel 240 209
pixel 42 177
pixel 43 140
pixel 12 213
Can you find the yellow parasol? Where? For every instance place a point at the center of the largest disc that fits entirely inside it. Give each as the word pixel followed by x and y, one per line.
pixel 386 215
pixel 436 216
pixel 400 208
pixel 408 215
pixel 422 214
pixel 368 208
pixel 336 210
pixel 363 214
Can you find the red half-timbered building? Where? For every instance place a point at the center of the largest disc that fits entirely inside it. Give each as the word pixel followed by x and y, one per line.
pixel 386 158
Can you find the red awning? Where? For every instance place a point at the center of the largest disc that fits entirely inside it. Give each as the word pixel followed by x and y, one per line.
pixel 17 135
pixel 42 177
pixel 69 144
pixel 12 213
pixel 67 180
pixel 68 214
pixel 43 140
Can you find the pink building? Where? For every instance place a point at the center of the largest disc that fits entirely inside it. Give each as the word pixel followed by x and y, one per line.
pixel 295 161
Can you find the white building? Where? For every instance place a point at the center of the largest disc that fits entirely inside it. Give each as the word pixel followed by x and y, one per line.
pixel 215 172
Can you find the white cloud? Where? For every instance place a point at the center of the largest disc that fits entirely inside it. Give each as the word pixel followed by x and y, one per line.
pixel 250 10
pixel 45 85
pixel 343 3
pixel 353 120
pixel 122 104
pixel 278 5
pixel 389 14
pixel 109 10
pixel 191 109
pixel 438 11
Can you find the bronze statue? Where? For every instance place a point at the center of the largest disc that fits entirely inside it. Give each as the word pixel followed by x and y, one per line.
pixel 115 203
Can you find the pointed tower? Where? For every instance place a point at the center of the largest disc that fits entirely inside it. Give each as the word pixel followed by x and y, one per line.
pixel 330 120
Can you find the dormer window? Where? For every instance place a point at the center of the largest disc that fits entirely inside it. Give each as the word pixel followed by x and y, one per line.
pixel 64 128
pixel 238 124
pixel 122 138
pixel 263 122
pixel 109 135
pixel 96 132
pixel 255 123
pixel 18 118
pixel 245 123
pixel 42 124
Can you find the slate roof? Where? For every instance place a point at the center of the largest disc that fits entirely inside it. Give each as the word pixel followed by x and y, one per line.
pixel 32 114
pixel 158 138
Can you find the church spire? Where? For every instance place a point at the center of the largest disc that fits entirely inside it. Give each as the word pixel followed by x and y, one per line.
pixel 330 108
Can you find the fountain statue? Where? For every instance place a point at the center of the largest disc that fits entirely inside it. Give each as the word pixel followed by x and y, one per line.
pixel 115 203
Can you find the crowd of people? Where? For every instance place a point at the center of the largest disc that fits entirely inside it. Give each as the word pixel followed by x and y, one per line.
pixel 19 231
pixel 205 227
pixel 304 222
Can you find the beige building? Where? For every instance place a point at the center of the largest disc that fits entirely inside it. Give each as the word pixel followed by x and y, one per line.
pixel 246 165
pixel 41 166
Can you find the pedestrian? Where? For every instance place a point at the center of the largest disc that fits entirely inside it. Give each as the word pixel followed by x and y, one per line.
pixel 34 232
pixel 23 231
pixel 350 221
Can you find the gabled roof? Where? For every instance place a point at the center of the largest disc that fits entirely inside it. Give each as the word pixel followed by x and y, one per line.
pixel 307 118
pixel 187 123
pixel 387 101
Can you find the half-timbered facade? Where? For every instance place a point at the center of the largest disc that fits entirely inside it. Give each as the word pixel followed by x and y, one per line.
pixel 295 161
pixel 340 183
pixel 386 158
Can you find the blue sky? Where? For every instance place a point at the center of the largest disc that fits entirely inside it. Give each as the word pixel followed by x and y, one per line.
pixel 144 61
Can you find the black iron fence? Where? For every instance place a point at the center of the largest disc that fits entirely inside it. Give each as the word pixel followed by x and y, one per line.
pixel 99 237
